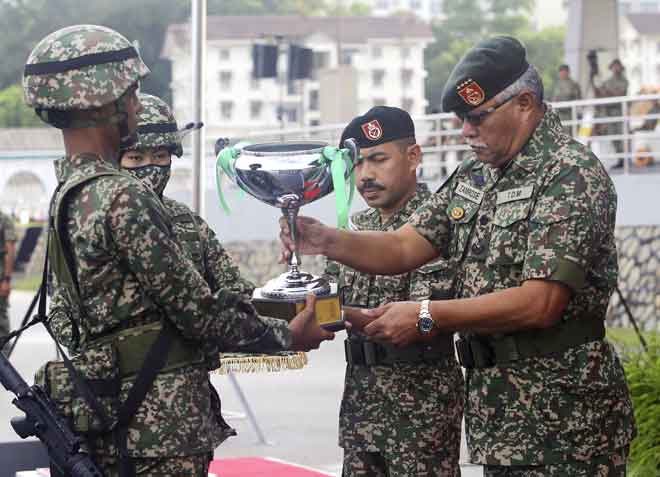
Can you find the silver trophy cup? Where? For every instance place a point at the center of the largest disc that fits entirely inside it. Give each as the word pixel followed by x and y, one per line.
pixel 289 175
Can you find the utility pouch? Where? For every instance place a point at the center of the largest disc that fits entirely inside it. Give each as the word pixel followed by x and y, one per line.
pixel 99 368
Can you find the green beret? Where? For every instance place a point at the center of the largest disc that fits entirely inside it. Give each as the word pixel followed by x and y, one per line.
pixel 379 125
pixel 486 70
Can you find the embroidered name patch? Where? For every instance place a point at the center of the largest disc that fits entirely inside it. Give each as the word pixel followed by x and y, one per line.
pixel 470 193
pixel 514 194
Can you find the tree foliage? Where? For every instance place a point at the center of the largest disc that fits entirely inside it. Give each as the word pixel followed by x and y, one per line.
pixel 13 112
pixel 469 21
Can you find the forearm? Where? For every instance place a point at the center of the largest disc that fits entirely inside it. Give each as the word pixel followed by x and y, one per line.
pixel 9 259
pixel 379 253
pixel 536 304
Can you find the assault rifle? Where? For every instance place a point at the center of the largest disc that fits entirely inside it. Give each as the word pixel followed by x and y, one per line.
pixel 42 421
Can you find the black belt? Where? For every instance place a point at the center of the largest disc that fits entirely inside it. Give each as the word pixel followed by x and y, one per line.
pixel 368 353
pixel 487 351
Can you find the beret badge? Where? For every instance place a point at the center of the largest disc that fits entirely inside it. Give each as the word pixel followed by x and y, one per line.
pixel 372 130
pixel 471 92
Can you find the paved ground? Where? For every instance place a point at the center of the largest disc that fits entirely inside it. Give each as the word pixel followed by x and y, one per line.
pixel 296 410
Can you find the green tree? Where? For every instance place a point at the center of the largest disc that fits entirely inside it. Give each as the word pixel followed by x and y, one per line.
pixel 468 21
pixel 13 112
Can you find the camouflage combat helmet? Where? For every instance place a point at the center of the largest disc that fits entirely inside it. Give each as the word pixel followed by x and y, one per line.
pixel 157 126
pixel 80 67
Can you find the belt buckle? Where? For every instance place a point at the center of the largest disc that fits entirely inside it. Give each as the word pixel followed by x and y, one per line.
pixel 370 356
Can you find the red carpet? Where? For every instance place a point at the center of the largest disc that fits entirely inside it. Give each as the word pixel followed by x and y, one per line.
pixel 259 467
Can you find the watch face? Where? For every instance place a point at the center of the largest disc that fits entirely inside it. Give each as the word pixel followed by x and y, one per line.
pixel 425 325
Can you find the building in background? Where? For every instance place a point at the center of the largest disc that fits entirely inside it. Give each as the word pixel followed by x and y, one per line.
pixel 427 10
pixel 358 62
pixel 639 47
pixel 639 6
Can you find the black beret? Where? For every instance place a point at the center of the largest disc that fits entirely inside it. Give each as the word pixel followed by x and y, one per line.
pixel 379 125
pixel 487 69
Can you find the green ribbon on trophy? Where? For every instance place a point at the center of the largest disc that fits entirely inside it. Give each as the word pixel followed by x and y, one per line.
pixel 339 161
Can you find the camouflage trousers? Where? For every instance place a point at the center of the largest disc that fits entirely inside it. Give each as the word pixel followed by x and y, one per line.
pixel 613 465
pixel 184 466
pixel 376 464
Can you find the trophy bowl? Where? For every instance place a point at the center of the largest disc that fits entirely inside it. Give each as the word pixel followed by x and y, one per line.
pixel 289 175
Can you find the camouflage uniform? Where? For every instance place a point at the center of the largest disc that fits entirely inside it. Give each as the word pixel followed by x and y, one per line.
pixel 566 90
pixel 7 234
pixel 407 414
pixel 550 215
pixel 612 87
pixel 130 271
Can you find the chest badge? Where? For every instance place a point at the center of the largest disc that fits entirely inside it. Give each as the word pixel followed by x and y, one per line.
pixel 457 213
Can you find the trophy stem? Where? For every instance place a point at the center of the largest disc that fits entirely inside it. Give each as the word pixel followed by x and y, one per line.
pixel 294 260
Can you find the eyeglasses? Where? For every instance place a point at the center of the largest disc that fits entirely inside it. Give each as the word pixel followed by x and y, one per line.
pixel 476 118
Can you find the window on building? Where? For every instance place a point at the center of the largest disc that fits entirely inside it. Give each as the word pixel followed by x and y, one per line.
pixel 347 56
pixel 379 102
pixel 407 104
pixel 377 78
pixel 225 79
pixel 377 51
pixel 436 7
pixel 406 77
pixel 224 54
pixel 226 109
pixel 320 61
pixel 314 122
pixel 314 100
pixel 255 109
pixel 405 52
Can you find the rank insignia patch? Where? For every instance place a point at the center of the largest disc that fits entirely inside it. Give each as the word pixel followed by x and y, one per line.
pixel 471 92
pixel 372 130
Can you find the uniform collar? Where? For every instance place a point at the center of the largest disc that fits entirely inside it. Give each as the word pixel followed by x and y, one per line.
pixel 84 163
pixel 372 215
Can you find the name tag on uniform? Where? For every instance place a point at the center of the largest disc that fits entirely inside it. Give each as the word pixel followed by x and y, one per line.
pixel 514 194
pixel 470 193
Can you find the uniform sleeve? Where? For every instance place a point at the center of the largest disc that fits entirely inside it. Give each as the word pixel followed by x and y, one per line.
pixel 573 217
pixel 142 235
pixel 430 220
pixel 10 229
pixel 62 310
pixel 224 274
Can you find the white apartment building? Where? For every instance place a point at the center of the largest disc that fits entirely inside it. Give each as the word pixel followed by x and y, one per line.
pixel 639 48
pixel 383 56
pixel 427 10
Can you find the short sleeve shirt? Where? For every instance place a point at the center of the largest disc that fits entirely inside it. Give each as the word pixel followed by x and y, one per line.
pixel 549 215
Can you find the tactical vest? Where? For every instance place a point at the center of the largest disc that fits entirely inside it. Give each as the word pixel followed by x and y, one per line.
pixel 132 354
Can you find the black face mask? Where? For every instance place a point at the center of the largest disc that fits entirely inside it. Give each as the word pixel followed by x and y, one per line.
pixel 153 175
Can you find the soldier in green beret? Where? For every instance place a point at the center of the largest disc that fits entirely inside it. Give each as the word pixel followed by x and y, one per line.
pixel 528 225
pixel 402 407
pixel 143 314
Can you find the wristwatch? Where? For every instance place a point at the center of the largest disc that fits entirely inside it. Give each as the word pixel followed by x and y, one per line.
pixel 425 321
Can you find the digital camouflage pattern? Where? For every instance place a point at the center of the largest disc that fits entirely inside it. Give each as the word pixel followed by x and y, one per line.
pixel 410 413
pixel 549 214
pixel 189 466
pixel 155 111
pixel 132 270
pixel 612 87
pixel 87 87
pixel 612 465
pixel 7 234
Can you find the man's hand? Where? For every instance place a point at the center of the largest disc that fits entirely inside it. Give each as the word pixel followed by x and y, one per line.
pixel 305 330
pixel 394 323
pixel 355 318
pixel 5 288
pixel 311 236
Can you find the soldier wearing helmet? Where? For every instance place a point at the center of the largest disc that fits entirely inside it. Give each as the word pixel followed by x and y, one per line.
pixel 141 312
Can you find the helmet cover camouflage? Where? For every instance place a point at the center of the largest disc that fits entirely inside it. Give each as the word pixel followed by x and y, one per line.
pixel 157 126
pixel 81 67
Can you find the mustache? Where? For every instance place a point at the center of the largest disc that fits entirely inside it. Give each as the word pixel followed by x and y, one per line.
pixel 373 185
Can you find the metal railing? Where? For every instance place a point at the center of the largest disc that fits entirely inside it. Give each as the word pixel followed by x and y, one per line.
pixel 440 134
